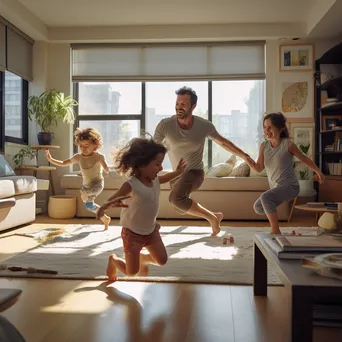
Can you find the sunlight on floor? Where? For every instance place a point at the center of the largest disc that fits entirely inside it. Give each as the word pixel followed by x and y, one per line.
pixel 202 251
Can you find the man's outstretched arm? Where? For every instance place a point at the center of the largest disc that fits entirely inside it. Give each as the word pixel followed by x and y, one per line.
pixel 229 146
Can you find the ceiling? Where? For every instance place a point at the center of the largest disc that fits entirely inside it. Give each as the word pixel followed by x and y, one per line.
pixel 118 20
pixel 56 13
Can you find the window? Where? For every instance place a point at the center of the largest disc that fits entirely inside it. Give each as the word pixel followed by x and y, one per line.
pixel 121 110
pixel 113 108
pixel 14 108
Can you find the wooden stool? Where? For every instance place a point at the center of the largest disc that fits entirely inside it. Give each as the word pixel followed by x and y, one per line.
pixel 292 208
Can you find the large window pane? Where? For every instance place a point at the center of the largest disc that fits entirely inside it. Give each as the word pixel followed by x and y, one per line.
pixel 109 98
pixel 115 134
pixel 13 106
pixel 238 108
pixel 161 100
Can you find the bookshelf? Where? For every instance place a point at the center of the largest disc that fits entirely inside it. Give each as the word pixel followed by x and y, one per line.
pixel 328 122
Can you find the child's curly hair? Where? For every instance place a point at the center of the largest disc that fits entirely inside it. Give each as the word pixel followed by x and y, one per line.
pixel 138 152
pixel 92 134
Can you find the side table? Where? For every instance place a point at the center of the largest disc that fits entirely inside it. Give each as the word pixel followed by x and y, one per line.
pixel 48 168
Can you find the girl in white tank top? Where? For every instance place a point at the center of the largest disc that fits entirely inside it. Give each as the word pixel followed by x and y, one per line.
pixel 142 160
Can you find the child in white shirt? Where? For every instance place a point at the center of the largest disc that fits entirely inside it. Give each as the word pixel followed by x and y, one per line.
pixel 92 164
pixel 142 159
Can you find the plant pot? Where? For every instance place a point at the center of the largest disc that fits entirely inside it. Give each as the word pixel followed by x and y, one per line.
pixel 306 187
pixel 44 138
pixel 30 161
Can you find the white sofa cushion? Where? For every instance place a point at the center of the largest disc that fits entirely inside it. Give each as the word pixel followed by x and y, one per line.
pixel 220 170
pixel 6 188
pixel 23 184
pixel 240 169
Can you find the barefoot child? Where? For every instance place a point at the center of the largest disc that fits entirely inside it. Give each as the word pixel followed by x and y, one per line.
pixel 276 156
pixel 142 159
pixel 92 163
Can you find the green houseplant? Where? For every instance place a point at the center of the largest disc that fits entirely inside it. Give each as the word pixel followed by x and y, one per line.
pixel 48 109
pixel 25 157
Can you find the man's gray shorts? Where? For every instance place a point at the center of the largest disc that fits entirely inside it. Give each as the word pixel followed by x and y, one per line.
pixel 182 187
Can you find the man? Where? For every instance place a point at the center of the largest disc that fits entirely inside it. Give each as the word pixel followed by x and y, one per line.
pixel 184 135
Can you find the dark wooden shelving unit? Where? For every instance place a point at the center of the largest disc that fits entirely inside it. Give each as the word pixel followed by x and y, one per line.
pixel 330 62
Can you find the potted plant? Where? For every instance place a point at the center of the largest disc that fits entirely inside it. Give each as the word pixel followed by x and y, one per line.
pixel 25 157
pixel 305 179
pixel 48 109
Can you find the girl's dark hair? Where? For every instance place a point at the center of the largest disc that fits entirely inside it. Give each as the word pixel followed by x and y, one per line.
pixel 138 152
pixel 92 134
pixel 278 120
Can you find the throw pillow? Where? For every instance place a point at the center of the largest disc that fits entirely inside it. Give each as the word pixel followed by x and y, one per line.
pixel 220 170
pixel 232 160
pixel 241 169
pixel 5 168
pixel 258 174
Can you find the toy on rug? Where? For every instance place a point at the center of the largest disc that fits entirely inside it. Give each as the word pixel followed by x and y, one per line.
pixel 225 240
pixel 28 269
pixel 43 235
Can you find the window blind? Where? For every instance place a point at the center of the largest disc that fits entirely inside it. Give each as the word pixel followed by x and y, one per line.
pixel 19 55
pixel 16 49
pixel 93 62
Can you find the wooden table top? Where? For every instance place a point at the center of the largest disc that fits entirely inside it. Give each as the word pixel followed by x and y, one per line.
pixel 44 147
pixel 321 209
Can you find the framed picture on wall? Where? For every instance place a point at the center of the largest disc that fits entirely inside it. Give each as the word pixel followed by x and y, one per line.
pixel 296 57
pixel 294 94
pixel 302 134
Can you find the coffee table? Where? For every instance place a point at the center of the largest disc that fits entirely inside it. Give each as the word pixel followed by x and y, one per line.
pixel 317 210
pixel 304 287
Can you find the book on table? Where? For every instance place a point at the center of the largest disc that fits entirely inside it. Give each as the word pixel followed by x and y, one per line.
pixel 293 255
pixel 323 243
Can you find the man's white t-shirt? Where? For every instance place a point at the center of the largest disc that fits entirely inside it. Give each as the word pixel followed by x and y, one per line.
pixel 185 143
pixel 143 206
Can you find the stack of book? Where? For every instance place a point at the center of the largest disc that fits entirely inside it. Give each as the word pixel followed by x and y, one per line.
pixel 299 247
pixel 323 205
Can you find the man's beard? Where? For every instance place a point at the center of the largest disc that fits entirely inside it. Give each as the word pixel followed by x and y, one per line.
pixel 182 114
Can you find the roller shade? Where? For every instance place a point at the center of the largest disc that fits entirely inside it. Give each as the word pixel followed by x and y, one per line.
pixel 2 47
pixel 19 55
pixel 157 62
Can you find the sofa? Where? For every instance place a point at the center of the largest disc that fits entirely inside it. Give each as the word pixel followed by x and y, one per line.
pixel 17 197
pixel 233 196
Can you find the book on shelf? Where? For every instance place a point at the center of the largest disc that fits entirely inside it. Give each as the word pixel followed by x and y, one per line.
pixel 335 169
pixel 277 250
pixel 324 243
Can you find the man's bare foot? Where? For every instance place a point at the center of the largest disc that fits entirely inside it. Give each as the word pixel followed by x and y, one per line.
pixel 216 224
pixel 143 270
pixel 106 220
pixel 276 231
pixel 111 269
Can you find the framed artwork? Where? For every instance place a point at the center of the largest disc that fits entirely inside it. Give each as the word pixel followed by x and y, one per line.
pixel 294 95
pixel 302 135
pixel 330 121
pixel 296 57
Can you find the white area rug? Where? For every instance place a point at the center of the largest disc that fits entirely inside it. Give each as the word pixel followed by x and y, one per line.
pixel 194 256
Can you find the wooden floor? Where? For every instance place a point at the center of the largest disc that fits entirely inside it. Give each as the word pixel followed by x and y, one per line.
pixel 72 310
